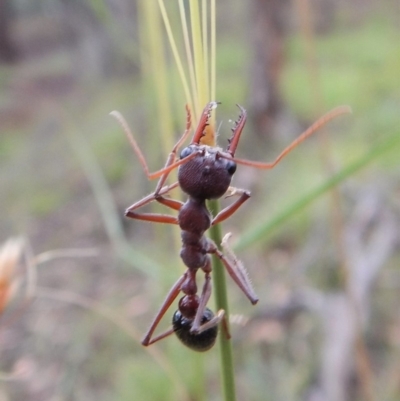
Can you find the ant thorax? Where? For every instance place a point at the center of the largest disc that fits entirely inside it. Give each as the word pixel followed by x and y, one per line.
pixel 208 174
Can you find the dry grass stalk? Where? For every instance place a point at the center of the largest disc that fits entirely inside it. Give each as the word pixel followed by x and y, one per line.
pixel 10 255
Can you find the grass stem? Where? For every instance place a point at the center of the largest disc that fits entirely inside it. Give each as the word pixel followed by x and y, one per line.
pixel 221 302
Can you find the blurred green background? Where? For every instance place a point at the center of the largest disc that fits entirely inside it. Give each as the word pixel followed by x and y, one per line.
pixel 327 325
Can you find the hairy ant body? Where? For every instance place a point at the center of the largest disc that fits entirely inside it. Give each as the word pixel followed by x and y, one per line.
pixel 205 172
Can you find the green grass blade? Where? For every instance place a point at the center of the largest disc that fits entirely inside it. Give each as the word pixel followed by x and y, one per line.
pixel 108 210
pixel 256 234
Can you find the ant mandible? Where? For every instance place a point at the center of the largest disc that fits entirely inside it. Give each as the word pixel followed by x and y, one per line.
pixel 205 172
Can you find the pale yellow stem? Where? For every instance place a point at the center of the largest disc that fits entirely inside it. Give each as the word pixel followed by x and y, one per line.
pixel 198 53
pixel 205 50
pixel 175 53
pixel 213 16
pixel 189 58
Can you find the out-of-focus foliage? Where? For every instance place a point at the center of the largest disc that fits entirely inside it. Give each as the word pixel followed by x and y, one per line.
pixel 77 61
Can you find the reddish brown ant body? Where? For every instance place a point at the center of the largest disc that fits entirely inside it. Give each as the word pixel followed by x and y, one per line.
pixel 205 172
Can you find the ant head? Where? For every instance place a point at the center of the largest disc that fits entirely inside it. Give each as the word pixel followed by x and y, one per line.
pixel 208 174
pixel 197 342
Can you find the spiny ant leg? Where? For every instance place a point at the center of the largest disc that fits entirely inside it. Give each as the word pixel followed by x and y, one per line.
pixel 236 270
pixel 171 296
pixel 241 280
pixel 238 265
pixel 229 210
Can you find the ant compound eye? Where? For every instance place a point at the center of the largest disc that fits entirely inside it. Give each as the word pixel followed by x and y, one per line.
pixel 186 152
pixel 231 167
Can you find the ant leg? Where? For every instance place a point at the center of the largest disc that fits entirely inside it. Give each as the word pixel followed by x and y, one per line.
pixel 160 190
pixel 171 296
pixel 152 217
pixel 160 336
pixel 239 268
pixel 204 297
pixel 235 269
pixel 225 326
pixel 197 327
pixel 172 156
pixel 171 164
pixel 152 197
pixel 220 316
pixel 156 217
pixel 229 210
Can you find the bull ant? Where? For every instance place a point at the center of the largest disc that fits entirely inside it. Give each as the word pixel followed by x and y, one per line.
pixel 205 172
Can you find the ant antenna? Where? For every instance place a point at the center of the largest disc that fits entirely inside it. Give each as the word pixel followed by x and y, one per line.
pixel 308 132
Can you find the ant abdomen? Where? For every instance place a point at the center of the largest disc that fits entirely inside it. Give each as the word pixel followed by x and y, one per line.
pixel 195 341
